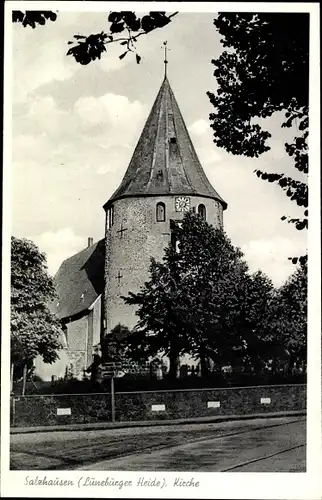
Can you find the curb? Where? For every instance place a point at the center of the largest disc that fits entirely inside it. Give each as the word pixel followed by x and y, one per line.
pixel 153 423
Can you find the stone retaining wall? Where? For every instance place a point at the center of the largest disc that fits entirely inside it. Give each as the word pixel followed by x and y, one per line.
pixel 63 409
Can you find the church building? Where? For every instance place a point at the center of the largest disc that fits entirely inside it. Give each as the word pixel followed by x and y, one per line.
pixel 163 180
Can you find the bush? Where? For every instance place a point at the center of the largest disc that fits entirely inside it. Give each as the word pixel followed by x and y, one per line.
pixel 132 383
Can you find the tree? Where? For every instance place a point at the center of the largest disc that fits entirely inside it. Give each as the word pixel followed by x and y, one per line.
pixel 160 309
pixel 34 329
pixel 227 308
pixel 114 344
pixel 289 320
pixel 264 70
pixel 201 300
pixel 87 48
pixel 258 333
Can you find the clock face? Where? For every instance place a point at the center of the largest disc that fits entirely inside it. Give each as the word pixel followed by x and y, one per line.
pixel 182 204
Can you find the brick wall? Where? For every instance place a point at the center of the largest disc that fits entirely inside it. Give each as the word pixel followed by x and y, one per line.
pixel 131 406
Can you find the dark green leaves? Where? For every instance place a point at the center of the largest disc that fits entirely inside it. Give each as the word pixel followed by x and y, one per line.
pixel 91 47
pixel 88 48
pixel 267 54
pixel 289 316
pixel 154 20
pixel 124 23
pixel 34 330
pixel 202 300
pixel 33 17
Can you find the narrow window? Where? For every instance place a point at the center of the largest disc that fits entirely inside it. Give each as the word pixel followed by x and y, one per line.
pixel 160 212
pixel 202 211
pixel 65 333
pixel 173 140
pixel 110 217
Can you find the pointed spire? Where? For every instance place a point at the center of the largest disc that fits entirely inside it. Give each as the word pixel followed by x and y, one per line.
pixel 164 161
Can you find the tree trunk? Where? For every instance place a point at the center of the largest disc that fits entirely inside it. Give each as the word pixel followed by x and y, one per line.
pixel 204 367
pixel 24 379
pixel 290 366
pixel 174 363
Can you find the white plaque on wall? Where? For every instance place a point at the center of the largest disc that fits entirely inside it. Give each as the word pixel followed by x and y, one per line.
pixel 213 404
pixel 265 401
pixel 64 411
pixel 158 407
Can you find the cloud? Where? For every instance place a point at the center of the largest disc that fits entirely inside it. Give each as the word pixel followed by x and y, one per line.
pixel 97 134
pixel 110 60
pixel 42 58
pixel 208 155
pixel 199 127
pixel 119 117
pixel 115 161
pixel 62 155
pixel 201 136
pixel 58 246
pixel 271 256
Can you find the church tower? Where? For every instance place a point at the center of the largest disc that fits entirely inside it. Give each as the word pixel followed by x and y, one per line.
pixel 164 180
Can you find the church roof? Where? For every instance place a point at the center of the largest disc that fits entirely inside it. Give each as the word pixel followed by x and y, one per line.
pixel 164 161
pixel 79 281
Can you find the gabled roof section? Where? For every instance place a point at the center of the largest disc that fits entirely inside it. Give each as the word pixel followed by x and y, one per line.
pixel 79 281
pixel 164 161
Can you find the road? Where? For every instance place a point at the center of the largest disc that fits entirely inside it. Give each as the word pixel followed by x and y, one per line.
pixel 261 445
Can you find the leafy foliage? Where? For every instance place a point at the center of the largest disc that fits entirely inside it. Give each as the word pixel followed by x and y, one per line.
pixel 33 18
pixel 289 318
pixel 91 47
pixel 34 329
pixel 114 344
pixel 266 54
pixel 88 48
pixel 202 301
pixel 161 305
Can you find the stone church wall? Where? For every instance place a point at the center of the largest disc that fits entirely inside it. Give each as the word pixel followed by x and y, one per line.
pixel 94 329
pixel 133 239
pixel 81 335
pixel 97 322
pixel 77 340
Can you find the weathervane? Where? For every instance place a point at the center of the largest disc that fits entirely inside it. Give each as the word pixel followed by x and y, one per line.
pixel 165 58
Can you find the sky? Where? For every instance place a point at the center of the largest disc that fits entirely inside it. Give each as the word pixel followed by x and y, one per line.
pixel 75 128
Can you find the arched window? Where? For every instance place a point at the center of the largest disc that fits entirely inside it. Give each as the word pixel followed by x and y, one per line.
pixel 160 212
pixel 202 211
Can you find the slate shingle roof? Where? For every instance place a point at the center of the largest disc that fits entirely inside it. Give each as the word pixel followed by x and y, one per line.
pixel 79 281
pixel 164 161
